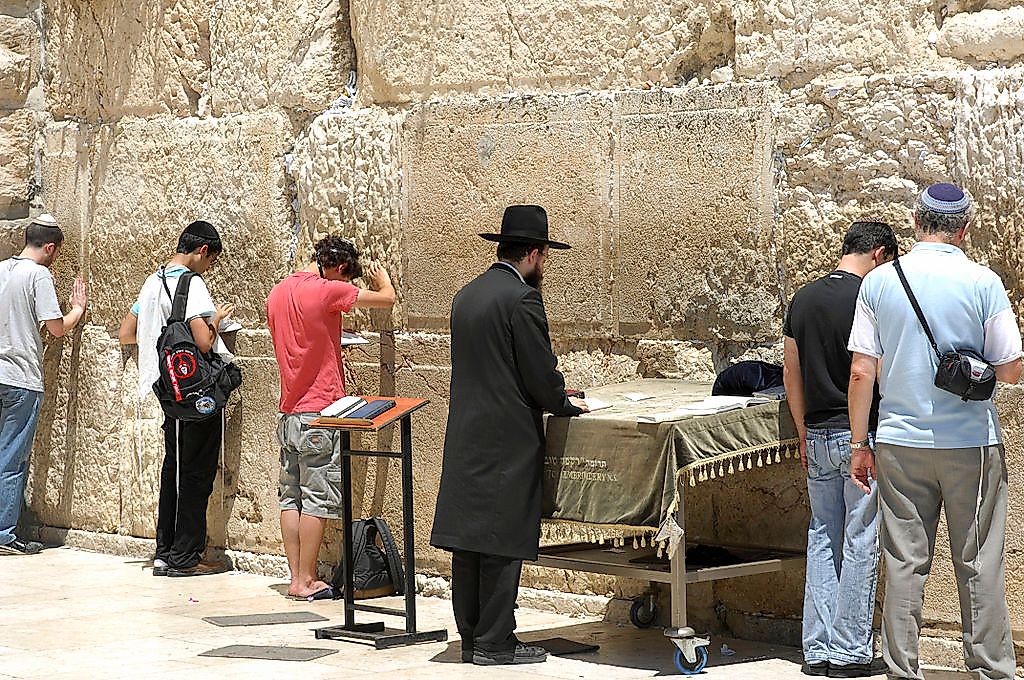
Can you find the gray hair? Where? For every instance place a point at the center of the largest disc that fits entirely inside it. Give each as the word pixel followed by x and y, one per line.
pixel 932 221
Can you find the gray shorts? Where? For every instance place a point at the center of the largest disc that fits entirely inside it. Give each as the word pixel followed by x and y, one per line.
pixel 310 467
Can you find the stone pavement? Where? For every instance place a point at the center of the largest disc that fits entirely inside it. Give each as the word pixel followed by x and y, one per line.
pixel 74 614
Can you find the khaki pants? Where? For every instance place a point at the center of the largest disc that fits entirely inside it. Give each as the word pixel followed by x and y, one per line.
pixel 913 484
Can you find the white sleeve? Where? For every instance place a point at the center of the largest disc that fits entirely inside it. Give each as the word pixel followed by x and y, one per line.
pixel 199 301
pixel 1002 338
pixel 864 334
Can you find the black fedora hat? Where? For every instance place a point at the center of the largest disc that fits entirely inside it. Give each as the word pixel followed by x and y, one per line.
pixel 525 224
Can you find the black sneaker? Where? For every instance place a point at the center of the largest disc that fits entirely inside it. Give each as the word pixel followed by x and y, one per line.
pixel 20 547
pixel 815 668
pixel 859 670
pixel 521 654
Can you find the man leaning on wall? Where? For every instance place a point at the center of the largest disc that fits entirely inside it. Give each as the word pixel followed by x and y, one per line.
pixel 27 298
pixel 304 315
pixel 933 448
pixel 842 539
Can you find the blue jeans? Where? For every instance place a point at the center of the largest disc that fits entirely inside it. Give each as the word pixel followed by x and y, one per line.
pixel 842 555
pixel 19 412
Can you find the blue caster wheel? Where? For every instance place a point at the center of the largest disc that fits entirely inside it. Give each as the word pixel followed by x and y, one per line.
pixel 642 613
pixel 687 668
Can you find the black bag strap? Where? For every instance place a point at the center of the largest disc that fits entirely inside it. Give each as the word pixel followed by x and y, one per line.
pixel 179 302
pixel 359 531
pixel 392 554
pixel 916 306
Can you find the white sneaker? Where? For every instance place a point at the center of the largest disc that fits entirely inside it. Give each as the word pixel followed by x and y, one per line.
pixel 159 567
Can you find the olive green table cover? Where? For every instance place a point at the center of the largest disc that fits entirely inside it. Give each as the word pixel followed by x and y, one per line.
pixel 606 468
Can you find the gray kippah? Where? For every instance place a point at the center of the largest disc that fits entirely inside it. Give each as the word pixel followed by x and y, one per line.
pixel 45 220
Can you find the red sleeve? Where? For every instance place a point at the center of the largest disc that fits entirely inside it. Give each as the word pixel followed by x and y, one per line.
pixel 341 295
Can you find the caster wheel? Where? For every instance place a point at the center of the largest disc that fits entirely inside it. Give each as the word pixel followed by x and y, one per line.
pixel 641 615
pixel 687 668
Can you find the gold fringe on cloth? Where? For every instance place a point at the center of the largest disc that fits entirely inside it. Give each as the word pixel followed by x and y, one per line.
pixel 563 531
pixel 737 461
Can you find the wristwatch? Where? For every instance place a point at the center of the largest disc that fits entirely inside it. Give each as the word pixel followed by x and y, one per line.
pixel 862 444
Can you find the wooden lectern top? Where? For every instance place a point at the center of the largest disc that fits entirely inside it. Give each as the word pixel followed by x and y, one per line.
pixel 403 407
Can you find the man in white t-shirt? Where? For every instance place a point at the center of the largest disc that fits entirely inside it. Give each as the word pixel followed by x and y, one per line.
pixel 27 298
pixel 190 447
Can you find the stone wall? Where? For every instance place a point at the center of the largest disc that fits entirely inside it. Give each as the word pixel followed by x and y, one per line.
pixel 703 156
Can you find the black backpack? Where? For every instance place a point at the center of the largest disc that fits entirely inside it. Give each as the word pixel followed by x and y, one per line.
pixel 376 569
pixel 192 385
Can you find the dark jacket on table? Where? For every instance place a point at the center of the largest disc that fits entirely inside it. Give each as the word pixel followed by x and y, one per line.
pixel 504 376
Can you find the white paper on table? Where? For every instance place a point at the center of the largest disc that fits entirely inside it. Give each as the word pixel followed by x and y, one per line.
pixel 348 339
pixel 637 396
pixel 595 404
pixel 720 404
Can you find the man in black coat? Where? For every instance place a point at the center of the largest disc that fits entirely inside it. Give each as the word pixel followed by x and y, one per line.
pixel 504 376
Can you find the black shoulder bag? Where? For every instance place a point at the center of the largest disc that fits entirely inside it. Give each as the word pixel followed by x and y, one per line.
pixel 962 372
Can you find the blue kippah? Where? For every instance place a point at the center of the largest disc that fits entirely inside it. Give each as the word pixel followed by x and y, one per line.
pixel 945 198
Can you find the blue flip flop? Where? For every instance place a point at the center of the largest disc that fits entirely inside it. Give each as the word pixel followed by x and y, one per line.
pixel 324 594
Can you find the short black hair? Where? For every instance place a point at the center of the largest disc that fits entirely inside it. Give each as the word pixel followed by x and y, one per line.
pixel 189 241
pixel 331 251
pixel 38 235
pixel 865 235
pixel 509 251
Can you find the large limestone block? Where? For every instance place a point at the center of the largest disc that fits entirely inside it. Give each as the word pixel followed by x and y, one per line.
pixel 989 161
pixel 17 133
pixel 800 40
pixel 243 512
pixel 410 50
pixel 854 149
pixel 109 58
pixel 348 179
pixel 988 36
pixel 75 474
pixel 464 161
pixel 295 54
pixel 66 171
pixel 693 231
pixel 141 452
pixel 19 60
pixel 160 174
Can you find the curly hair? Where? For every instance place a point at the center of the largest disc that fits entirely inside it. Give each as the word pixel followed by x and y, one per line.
pixel 332 251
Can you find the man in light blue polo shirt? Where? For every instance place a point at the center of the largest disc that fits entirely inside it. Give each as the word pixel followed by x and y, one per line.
pixel 933 448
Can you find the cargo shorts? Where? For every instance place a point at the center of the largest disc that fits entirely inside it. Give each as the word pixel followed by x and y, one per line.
pixel 310 480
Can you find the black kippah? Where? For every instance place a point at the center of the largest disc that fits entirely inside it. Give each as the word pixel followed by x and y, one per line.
pixel 203 230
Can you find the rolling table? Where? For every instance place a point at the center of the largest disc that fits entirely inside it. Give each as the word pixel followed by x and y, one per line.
pixel 375 632
pixel 607 473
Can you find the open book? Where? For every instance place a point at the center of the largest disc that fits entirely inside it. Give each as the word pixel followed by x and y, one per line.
pixel 709 406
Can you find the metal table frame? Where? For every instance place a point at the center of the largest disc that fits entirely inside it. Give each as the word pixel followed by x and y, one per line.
pixel 375 632
pixel 589 558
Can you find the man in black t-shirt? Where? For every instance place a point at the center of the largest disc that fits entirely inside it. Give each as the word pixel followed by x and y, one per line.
pixel 842 540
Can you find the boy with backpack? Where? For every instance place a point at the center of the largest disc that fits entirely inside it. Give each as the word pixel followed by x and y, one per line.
pixel 191 445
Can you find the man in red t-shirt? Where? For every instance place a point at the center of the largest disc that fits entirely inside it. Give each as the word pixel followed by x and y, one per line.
pixel 304 314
